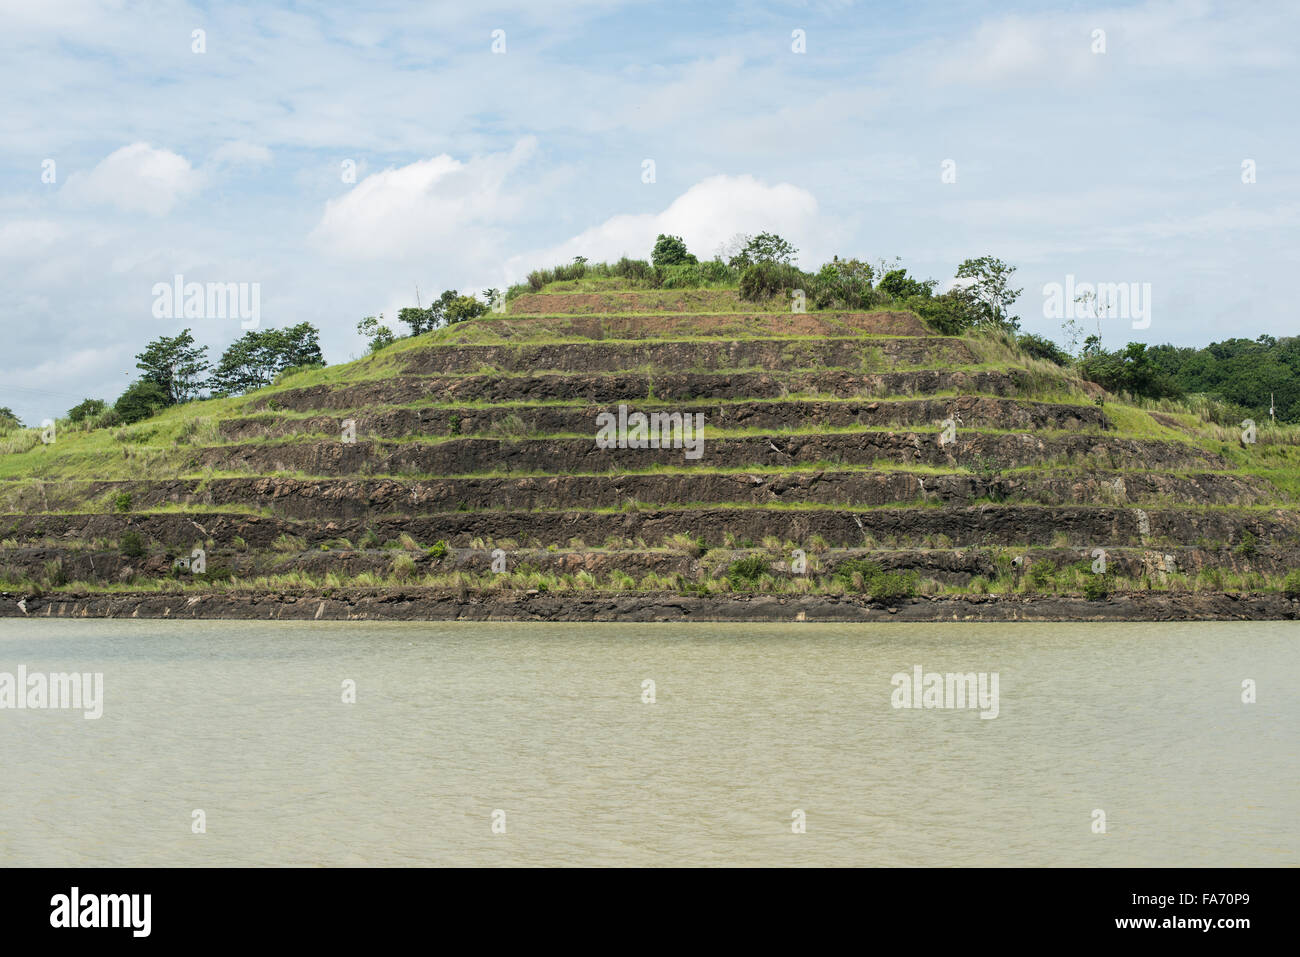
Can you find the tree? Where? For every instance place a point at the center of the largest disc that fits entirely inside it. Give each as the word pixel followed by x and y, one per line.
pixel 991 285
pixel 9 421
pixel 897 284
pixel 380 336
pixel 420 320
pixel 256 358
pixel 670 251
pixel 1130 370
pixel 141 399
pixel 448 308
pixel 462 308
pixel 763 248
pixel 1255 375
pixel 87 408
pixel 175 364
pixel 298 346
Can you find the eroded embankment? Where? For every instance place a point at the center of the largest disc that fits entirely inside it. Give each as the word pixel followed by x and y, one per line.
pixel 326 499
pixel 664 386
pixel 424 605
pixel 471 456
pixel 614 356
pixel 396 422
pixel 975 525
pixel 949 567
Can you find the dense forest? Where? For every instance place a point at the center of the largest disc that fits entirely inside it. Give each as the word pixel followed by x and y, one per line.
pixel 1241 372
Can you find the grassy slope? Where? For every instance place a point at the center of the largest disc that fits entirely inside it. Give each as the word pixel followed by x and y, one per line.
pixel 155 448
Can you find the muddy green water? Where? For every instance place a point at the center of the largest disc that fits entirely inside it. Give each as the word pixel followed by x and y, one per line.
pixel 453 722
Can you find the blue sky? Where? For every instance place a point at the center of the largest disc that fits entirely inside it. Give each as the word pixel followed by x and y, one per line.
pixel 473 166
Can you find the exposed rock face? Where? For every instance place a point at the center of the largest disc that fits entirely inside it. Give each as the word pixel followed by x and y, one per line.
pixel 418 605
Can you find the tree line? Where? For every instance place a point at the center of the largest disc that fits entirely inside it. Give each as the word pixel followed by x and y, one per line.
pixel 448 309
pixel 174 369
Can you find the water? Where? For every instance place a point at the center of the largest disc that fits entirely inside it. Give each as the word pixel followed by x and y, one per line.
pixel 244 720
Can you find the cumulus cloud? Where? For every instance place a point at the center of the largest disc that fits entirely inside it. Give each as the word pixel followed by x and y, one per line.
pixel 706 216
pixel 431 207
pixel 136 178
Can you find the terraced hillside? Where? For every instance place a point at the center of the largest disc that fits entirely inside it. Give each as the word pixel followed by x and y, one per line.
pixel 852 466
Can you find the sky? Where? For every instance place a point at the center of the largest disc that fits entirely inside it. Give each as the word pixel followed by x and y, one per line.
pixel 337 160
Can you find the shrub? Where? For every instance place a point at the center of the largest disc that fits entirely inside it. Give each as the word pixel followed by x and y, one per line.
pixel 1096 588
pixel 55 574
pixel 950 314
pixel 891 586
pixel 679 276
pixel 131 544
pixel 122 502
pixel 898 285
pixel 1040 347
pixel 685 543
pixel 1247 548
pixel 715 270
pixel 403 567
pixel 108 419
pixel 1041 573
pixel 747 571
pixel 845 284
pixel 670 251
pixel 1291 584
pixel 850 569
pixel 140 400
pixel 437 551
pixel 863 575
pixel 574 270
pixel 767 279
pixel 86 409
pixel 632 269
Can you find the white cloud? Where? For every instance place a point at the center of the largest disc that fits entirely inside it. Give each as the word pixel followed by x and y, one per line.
pixel 136 178
pixel 239 153
pixel 1160 35
pixel 706 216
pixel 435 206
pixel 22 239
pixel 1015 49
